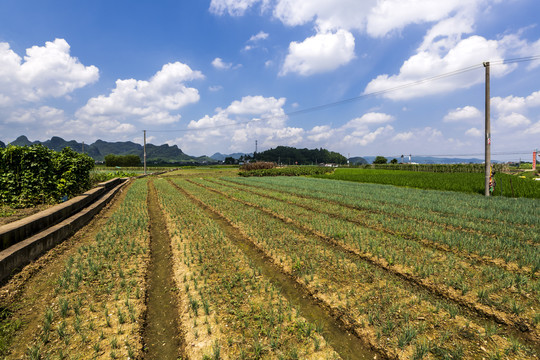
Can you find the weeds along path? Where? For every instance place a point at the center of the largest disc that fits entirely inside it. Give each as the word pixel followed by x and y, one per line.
pixel 356 216
pixel 162 339
pixel 312 222
pixel 288 291
pixel 71 301
pixel 366 288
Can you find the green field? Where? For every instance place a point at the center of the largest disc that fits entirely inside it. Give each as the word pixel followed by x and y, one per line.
pixel 507 185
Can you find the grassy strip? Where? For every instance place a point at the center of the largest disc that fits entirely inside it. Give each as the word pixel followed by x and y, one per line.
pixel 230 310
pixel 99 305
pixel 382 308
pixel 288 171
pixel 507 185
pixel 515 294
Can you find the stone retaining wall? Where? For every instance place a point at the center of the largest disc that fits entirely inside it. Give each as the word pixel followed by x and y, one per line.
pixel 40 232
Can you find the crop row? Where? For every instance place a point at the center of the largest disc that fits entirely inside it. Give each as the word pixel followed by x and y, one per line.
pixel 229 309
pixel 98 306
pixel 394 316
pixel 503 244
pixel 522 214
pixel 514 294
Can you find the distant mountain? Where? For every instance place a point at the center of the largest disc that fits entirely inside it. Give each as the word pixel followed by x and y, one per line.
pixel 221 157
pixel 2 145
pixel 429 160
pixel 98 150
pixel 357 160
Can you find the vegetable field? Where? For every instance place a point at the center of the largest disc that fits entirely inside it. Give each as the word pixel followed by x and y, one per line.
pixel 468 182
pixel 306 268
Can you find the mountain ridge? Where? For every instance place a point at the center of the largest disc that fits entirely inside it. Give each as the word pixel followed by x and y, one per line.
pixel 154 153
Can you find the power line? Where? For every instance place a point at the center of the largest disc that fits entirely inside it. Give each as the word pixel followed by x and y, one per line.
pixel 359 97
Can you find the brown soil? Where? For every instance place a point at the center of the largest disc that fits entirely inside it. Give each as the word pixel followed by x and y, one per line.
pixel 31 290
pixel 162 338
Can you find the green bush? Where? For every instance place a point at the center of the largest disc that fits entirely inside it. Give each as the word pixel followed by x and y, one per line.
pixel 34 174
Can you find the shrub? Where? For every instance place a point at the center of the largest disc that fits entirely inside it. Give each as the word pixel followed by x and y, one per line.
pixel 34 174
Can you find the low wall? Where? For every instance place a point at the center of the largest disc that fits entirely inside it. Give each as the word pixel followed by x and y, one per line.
pixel 28 249
pixel 19 230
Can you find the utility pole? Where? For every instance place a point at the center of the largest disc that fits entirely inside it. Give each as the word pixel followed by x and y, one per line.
pixel 144 152
pixel 83 147
pixel 488 133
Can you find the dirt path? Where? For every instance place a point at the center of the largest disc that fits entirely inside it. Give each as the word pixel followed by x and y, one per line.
pixel 161 336
pixel 31 290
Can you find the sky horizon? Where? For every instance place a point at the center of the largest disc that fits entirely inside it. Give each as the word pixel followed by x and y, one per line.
pixel 218 75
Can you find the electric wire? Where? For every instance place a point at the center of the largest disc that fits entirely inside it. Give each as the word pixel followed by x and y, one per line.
pixel 356 98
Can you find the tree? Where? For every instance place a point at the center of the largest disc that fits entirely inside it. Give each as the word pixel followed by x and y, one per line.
pixel 380 160
pixel 393 161
pixel 230 160
pixel 122 160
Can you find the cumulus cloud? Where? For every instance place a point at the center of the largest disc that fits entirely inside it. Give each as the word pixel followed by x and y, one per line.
pixel 432 62
pixel 403 136
pixel 44 115
pixel 474 132
pixel 467 113
pixel 390 15
pixel 261 35
pixel 320 53
pixel 515 103
pixel 232 7
pixel 150 102
pixel 512 111
pixel 46 71
pixel 238 126
pixel 513 120
pixel 219 64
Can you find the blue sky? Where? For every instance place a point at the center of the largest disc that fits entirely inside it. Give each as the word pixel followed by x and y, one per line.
pixel 186 70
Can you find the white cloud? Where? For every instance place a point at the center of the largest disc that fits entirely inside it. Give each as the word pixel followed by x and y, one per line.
pixel 474 132
pixel 369 118
pixel 515 103
pixel 320 53
pixel 232 7
pixel 47 71
pixel 261 35
pixel 404 136
pixel 44 115
pixel 236 127
pixel 149 102
pixel 215 88
pixel 535 128
pixel 320 133
pixel 513 120
pixel 391 15
pixel 432 62
pixel 363 138
pixel 219 64
pixel 467 113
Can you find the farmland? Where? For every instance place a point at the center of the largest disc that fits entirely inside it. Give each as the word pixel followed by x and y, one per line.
pixel 292 268
pixel 468 182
